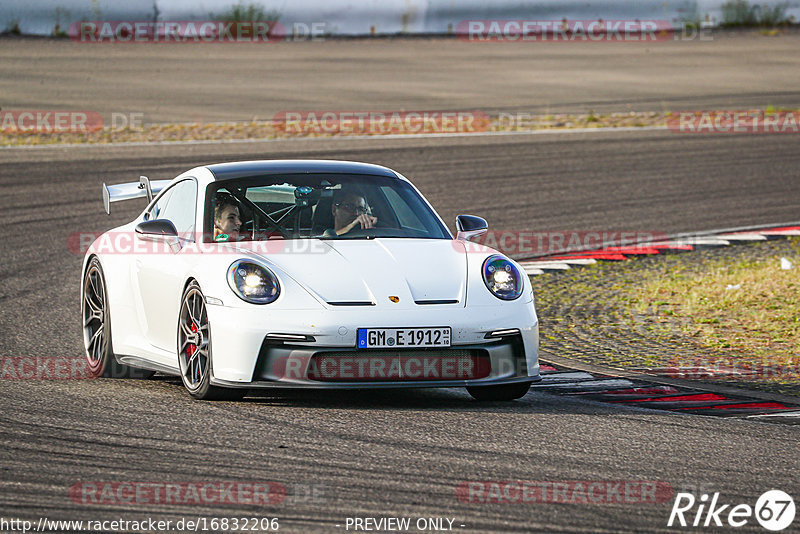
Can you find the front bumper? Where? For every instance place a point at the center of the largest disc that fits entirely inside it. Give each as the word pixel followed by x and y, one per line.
pixel 244 356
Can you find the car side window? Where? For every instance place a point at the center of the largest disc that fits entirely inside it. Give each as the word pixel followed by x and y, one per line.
pixel 158 207
pixel 405 213
pixel 181 206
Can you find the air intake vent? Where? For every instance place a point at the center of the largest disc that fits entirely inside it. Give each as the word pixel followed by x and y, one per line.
pixel 399 365
pixel 352 303
pixel 426 302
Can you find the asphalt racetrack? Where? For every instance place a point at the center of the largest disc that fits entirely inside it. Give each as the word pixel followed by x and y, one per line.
pixel 230 82
pixel 382 454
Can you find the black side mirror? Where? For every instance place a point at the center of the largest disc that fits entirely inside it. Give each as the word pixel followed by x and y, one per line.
pixel 470 226
pixel 157 228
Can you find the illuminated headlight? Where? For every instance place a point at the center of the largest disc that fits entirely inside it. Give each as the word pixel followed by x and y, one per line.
pixel 502 278
pixel 253 282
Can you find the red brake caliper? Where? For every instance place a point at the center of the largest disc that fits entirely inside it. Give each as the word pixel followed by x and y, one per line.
pixel 192 348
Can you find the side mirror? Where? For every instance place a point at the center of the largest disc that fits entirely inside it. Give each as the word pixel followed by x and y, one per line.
pixel 470 226
pixel 159 230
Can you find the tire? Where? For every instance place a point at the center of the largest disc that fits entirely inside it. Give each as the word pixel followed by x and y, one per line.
pixel 97 328
pixel 503 392
pixel 194 349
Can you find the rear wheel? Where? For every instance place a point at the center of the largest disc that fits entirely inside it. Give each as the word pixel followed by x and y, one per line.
pixel 502 392
pixel 97 328
pixel 194 349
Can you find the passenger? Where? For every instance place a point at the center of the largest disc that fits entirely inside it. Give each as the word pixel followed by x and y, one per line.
pixel 350 211
pixel 226 219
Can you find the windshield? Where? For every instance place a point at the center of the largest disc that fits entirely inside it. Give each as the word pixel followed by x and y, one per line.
pixel 323 206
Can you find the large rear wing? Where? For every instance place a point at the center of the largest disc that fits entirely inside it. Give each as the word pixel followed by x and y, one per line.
pixel 144 188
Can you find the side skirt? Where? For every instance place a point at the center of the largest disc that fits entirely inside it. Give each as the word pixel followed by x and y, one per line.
pixel 135 361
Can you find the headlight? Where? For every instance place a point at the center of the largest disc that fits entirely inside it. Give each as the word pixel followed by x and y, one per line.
pixel 502 278
pixel 253 282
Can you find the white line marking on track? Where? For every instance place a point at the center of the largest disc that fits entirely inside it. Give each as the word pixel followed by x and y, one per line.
pixel 743 237
pixel 777 414
pixel 568 376
pixel 606 384
pixel 577 261
pixel 781 232
pixel 702 242
pixel 533 272
pixel 547 265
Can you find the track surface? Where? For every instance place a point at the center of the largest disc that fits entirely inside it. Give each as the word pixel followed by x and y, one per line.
pixel 380 454
pixel 219 82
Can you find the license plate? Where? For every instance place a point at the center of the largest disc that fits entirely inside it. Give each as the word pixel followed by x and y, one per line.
pixel 375 338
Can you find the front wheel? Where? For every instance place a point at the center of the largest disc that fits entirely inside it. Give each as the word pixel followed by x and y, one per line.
pixel 502 392
pixel 194 349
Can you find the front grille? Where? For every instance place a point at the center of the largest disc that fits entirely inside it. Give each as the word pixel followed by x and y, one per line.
pixel 399 365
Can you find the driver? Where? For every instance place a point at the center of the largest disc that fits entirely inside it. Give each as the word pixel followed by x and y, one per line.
pixel 227 221
pixel 350 211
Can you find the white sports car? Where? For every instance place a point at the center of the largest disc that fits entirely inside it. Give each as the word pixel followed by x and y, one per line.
pixel 304 274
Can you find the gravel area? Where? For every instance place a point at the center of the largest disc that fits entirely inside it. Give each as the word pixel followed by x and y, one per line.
pixel 588 314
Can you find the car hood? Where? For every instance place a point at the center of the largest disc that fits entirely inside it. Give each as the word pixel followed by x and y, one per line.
pixel 352 272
